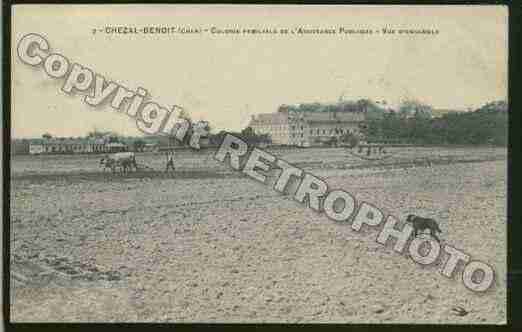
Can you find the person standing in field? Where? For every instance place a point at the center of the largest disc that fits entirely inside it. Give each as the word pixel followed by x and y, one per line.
pixel 170 161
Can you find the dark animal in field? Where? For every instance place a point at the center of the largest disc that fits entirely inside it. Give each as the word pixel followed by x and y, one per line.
pixel 123 160
pixel 108 163
pixel 420 224
pixel 459 311
pixel 127 165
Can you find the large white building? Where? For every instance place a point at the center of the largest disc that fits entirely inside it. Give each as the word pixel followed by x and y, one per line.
pixel 306 128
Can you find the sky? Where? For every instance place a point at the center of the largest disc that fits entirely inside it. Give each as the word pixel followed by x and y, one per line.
pixel 225 79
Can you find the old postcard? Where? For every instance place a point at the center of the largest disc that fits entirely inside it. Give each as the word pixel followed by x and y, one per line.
pixel 258 163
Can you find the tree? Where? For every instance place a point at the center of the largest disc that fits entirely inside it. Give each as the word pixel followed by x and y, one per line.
pixel 248 132
pixel 96 134
pixel 414 108
pixel 113 139
pixel 370 108
pixel 250 137
pixel 47 136
pixel 494 106
pixel 310 107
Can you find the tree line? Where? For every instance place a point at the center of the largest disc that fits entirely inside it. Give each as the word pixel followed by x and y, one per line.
pixel 248 135
pixel 412 122
pixel 486 125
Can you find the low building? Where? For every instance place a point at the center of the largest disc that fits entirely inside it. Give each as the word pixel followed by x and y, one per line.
pixel 307 128
pixel 67 146
pixel 116 147
pixel 19 146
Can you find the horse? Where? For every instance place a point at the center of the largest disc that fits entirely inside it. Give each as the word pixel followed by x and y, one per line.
pixel 124 160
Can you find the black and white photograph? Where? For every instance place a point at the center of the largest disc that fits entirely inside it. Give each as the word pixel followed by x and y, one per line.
pixel 183 163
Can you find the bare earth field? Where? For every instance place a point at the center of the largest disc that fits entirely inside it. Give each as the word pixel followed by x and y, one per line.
pixel 210 245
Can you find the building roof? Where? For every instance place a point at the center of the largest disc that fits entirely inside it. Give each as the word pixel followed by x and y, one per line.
pixel 310 117
pixel 269 119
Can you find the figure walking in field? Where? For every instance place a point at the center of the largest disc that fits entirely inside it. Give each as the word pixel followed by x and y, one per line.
pixel 170 161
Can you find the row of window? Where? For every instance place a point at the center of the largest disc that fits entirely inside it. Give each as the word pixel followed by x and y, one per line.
pixel 336 131
pixel 71 148
pixel 326 132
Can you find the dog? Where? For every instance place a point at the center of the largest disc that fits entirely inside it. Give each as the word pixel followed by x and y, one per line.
pixel 420 224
